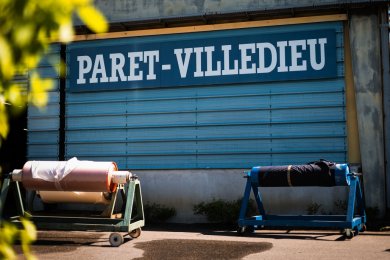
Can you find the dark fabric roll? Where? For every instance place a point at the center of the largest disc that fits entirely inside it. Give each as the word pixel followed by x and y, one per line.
pixel 312 174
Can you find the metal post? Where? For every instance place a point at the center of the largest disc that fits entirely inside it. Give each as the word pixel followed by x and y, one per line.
pixel 360 200
pixel 130 189
pixel 384 34
pixel 245 200
pixel 351 199
pixel 3 195
pixel 138 202
pixel 258 199
pixel 19 202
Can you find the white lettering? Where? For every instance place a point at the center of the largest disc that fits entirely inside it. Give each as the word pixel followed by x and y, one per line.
pixel 183 65
pixel 151 57
pixel 262 67
pixel 296 55
pixel 85 65
pixel 313 62
pixel 282 56
pixel 209 71
pixel 226 62
pixel 134 65
pixel 245 58
pixel 99 68
pixel 198 62
pixel 208 61
pixel 117 63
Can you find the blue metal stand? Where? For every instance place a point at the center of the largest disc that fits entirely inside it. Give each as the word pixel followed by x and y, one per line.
pixel 353 222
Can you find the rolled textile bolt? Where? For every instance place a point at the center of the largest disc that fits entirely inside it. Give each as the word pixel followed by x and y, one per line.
pixel 71 175
pixel 74 197
pixel 16 175
pixel 120 177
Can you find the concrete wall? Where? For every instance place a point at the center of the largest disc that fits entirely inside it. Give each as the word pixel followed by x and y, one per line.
pixel 183 189
pixel 133 10
pixel 366 64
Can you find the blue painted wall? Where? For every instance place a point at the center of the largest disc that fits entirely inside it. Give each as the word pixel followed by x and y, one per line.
pixel 43 123
pixel 206 126
pixel 212 126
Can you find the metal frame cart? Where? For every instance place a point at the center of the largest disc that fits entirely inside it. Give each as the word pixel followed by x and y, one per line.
pixel 129 220
pixel 352 223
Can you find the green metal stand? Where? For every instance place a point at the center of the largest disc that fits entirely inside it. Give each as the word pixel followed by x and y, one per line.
pixel 130 222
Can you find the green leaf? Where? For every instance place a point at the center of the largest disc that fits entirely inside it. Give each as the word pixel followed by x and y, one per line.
pixel 3 122
pixel 6 251
pixel 7 66
pixel 30 231
pixel 93 18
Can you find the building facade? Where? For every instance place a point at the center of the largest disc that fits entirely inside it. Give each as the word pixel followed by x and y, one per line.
pixel 189 94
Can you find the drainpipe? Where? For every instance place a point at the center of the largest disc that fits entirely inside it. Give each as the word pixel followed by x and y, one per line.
pixel 384 34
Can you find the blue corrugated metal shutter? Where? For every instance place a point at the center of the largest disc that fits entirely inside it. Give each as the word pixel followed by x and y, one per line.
pixel 215 126
pixel 43 123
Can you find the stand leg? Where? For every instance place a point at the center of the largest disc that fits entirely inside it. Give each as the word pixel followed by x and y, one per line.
pixel 133 194
pixel 351 200
pixel 3 195
pixel 245 200
pixel 360 201
pixel 138 202
pixel 130 189
pixel 19 202
pixel 259 202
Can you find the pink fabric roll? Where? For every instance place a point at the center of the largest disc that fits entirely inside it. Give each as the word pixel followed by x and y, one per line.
pixel 81 176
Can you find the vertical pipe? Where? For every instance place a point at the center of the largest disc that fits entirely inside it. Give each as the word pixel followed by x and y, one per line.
pixel 245 200
pixel 352 122
pixel 61 138
pixel 384 26
pixel 3 195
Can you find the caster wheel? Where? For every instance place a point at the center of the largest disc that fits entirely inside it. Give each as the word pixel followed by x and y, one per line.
pixel 135 233
pixel 356 231
pixel 241 230
pixel 245 230
pixel 364 228
pixel 348 233
pixel 250 229
pixel 116 239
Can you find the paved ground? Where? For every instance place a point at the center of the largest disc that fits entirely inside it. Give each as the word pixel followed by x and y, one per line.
pixel 200 242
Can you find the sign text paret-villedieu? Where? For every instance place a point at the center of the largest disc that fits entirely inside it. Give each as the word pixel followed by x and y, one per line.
pixel 248 58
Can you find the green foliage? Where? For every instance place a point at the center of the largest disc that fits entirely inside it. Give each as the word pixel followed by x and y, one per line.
pixel 156 213
pixel 10 233
pixel 27 27
pixel 225 212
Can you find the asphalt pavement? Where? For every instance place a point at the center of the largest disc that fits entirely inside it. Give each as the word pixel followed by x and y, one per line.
pixel 208 242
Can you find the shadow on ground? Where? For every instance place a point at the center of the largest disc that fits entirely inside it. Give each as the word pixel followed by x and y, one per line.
pixel 229 230
pixel 58 241
pixel 199 249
